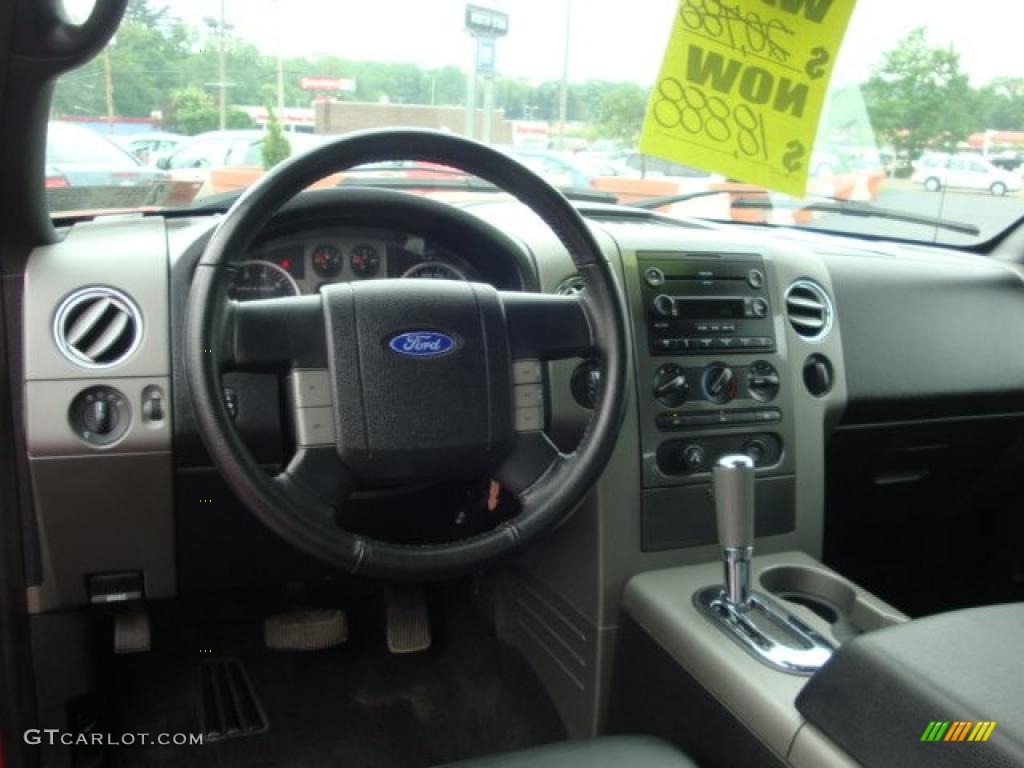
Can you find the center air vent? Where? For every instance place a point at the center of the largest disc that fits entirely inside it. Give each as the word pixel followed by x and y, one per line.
pixel 571 286
pixel 97 327
pixel 809 310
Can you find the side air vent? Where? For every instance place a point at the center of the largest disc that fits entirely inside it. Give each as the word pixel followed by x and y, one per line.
pixel 809 310
pixel 571 286
pixel 97 327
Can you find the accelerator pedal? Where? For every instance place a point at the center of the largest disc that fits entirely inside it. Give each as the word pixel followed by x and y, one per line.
pixel 306 630
pixel 408 619
pixel 229 705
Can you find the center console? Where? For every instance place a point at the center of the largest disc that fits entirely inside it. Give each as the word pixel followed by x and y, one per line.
pixel 711 381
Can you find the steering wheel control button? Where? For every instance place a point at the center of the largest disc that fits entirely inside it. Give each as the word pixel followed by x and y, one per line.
pixel 670 385
pixel 654 277
pixel 100 415
pixel 314 426
pixel 527 372
pixel 586 384
pixel 763 381
pixel 528 395
pixel 529 419
pixel 719 383
pixel 310 388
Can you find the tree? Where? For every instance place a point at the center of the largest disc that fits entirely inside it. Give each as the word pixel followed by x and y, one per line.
pixel 1000 104
pixel 275 146
pixel 191 111
pixel 620 112
pixel 919 97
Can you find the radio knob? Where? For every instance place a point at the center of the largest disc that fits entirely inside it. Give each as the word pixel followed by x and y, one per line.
pixel 760 307
pixel 671 386
pixel 719 383
pixel 663 305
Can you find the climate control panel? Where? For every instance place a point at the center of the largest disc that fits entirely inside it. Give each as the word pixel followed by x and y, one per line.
pixel 719 383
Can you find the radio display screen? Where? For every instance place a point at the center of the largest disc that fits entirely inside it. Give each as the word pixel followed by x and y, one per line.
pixel 709 309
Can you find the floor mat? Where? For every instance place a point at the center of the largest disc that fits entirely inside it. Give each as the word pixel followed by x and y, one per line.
pixel 356 705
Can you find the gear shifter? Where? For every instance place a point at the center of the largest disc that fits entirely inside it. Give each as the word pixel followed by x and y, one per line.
pixel 758 623
pixel 733 483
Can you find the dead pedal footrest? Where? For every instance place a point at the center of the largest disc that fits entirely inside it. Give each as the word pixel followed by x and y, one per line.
pixel 229 705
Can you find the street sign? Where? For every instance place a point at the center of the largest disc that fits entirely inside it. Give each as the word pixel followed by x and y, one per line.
pixel 486 22
pixel 485 55
pixel 347 84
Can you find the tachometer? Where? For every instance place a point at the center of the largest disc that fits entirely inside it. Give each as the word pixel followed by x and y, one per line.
pixel 435 270
pixel 326 260
pixel 261 280
pixel 364 260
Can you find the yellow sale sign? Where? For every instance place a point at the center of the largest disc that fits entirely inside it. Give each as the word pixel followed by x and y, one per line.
pixel 742 87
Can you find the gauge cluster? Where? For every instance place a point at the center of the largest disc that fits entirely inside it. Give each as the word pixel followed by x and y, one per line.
pixel 293 265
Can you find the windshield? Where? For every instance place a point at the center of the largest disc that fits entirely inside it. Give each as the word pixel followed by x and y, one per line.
pixel 192 99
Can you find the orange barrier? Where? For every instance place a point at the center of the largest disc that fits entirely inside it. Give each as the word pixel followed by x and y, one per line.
pixel 230 178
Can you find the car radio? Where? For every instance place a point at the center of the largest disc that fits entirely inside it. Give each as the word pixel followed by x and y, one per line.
pixel 705 302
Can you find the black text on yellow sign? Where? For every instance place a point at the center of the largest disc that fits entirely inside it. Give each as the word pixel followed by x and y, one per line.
pixel 742 86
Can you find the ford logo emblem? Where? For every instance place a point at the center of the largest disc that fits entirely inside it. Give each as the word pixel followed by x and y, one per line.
pixel 422 344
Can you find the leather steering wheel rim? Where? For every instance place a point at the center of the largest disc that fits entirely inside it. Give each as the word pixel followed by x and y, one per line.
pixel 302 519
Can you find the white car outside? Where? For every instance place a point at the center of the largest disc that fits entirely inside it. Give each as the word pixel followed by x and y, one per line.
pixel 937 171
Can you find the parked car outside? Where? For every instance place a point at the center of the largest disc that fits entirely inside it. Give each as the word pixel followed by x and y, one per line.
pixel 80 157
pixel 148 148
pixel 938 170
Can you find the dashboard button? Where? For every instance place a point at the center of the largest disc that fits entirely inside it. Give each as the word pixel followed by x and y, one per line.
pixel 755 278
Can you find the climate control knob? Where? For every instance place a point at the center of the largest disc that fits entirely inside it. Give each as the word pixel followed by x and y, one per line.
pixel 763 381
pixel 663 305
pixel 719 382
pixel 671 386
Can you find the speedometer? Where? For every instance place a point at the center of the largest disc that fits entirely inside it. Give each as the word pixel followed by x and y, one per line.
pixel 434 270
pixel 261 280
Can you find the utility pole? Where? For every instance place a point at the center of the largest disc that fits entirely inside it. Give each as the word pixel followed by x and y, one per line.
pixel 108 77
pixel 470 127
pixel 280 61
pixel 563 95
pixel 221 66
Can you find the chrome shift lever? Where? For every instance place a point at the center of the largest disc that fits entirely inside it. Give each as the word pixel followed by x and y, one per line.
pixel 733 482
pixel 755 621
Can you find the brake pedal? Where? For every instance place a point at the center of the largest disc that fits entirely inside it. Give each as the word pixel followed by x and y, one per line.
pixel 408 619
pixel 131 629
pixel 306 630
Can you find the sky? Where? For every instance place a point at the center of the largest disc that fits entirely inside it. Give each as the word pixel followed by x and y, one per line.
pixel 609 39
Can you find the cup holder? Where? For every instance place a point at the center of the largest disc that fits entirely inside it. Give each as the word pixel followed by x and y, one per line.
pixel 830 597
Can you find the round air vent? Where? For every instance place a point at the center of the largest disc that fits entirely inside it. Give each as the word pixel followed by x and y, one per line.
pixel 571 286
pixel 809 310
pixel 97 327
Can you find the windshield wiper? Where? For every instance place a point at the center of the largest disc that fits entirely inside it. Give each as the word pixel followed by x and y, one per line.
pixel 760 201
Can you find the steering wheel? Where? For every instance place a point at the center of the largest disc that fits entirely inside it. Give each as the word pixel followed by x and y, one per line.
pixel 402 381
